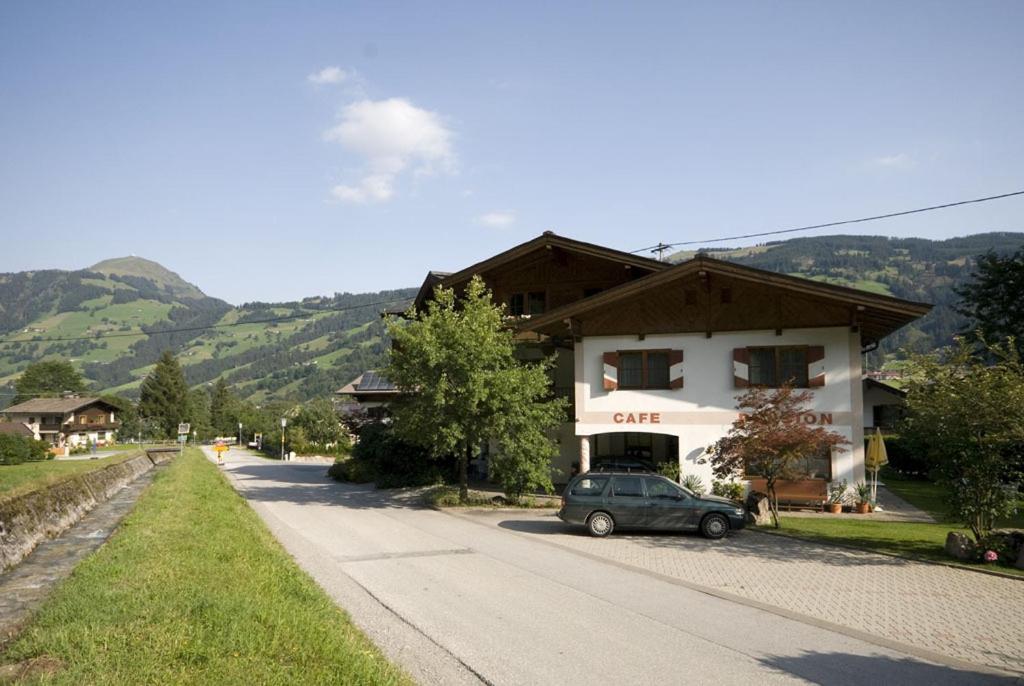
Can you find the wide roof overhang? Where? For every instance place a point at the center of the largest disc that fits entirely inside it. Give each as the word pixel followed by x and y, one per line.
pixel 688 297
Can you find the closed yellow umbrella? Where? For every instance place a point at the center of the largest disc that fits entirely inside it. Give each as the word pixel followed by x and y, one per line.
pixel 875 458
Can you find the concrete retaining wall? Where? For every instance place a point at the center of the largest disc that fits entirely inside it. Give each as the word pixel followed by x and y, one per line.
pixel 28 519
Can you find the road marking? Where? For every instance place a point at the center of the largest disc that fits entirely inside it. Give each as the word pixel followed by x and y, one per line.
pixel 398 556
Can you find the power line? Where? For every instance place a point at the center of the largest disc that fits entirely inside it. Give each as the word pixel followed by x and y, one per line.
pixel 662 246
pixel 272 320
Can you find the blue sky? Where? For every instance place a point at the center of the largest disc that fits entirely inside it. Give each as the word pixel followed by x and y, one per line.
pixel 273 151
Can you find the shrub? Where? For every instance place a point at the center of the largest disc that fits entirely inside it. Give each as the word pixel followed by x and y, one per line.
pixel 382 457
pixel 733 490
pixel 694 483
pixel 669 470
pixel 906 458
pixel 838 492
pixel 18 449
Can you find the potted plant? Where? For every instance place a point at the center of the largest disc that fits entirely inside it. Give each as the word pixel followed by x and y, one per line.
pixel 863 498
pixel 837 496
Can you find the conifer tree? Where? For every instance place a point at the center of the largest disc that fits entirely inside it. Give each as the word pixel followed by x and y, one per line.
pixel 164 395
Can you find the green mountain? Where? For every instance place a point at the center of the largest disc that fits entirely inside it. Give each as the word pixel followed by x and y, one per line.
pixel 909 268
pixel 120 313
pixel 100 312
pixel 139 267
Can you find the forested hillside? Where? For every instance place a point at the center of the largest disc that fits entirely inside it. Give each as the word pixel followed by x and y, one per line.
pixel 318 344
pixel 322 342
pixel 909 268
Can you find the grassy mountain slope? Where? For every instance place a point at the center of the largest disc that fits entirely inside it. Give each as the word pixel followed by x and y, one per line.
pixel 909 268
pixel 317 350
pixel 147 269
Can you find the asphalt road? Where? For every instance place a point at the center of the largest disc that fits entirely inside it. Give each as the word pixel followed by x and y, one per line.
pixel 455 601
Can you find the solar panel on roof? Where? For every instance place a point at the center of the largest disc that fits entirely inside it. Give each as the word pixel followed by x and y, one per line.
pixel 373 381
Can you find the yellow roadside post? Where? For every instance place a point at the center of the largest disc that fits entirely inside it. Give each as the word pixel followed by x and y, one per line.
pixel 875 459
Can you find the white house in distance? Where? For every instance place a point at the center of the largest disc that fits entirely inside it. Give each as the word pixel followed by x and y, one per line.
pixel 67 422
pixel 652 356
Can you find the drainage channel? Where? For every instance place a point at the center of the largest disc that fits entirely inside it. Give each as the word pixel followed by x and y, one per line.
pixel 24 587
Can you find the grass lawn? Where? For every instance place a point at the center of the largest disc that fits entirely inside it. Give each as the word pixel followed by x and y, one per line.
pixel 193 589
pixel 21 478
pixel 906 539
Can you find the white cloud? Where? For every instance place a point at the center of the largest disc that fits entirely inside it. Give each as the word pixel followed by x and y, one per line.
pixel 498 219
pixel 392 136
pixel 328 76
pixel 898 161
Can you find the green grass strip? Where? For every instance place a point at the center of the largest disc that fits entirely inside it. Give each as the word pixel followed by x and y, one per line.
pixel 18 479
pixel 193 589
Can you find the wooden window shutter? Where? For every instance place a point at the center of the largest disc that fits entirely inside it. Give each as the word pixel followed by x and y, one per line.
pixel 740 368
pixel 675 369
pixel 815 366
pixel 611 371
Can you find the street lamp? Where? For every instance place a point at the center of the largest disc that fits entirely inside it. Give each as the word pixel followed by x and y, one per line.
pixel 284 423
pixel 239 434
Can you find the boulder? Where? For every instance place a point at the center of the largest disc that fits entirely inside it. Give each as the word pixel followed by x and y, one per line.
pixel 960 546
pixel 758 509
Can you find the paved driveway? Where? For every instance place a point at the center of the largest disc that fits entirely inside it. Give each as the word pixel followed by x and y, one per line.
pixel 488 599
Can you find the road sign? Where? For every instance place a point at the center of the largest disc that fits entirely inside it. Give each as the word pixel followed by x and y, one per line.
pixel 220 448
pixel 184 428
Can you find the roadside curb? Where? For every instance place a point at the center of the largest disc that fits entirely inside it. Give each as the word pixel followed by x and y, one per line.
pixel 867 637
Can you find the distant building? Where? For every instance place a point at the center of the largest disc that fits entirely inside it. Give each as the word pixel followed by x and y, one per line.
pixel 370 392
pixel 66 422
pixel 884 405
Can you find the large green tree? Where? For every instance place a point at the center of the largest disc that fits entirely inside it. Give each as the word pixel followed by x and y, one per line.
pixel 164 395
pixel 48 378
pixel 462 384
pixel 321 425
pixel 993 300
pixel 965 412
pixel 224 409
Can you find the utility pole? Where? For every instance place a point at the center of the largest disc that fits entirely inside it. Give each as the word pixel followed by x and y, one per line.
pixel 662 247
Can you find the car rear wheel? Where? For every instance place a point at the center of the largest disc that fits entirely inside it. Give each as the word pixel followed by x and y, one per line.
pixel 714 526
pixel 600 524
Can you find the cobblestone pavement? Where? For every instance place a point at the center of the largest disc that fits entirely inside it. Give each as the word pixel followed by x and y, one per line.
pixel 967 615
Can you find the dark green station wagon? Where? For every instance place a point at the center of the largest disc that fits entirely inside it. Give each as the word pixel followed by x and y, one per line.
pixel 603 502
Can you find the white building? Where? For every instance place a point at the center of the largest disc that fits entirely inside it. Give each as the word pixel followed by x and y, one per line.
pixel 652 356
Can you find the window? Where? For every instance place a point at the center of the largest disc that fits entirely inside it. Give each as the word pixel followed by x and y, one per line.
pixel 589 486
pixel 775 366
pixel 643 369
pixel 659 488
pixel 813 467
pixel 628 486
pixel 520 304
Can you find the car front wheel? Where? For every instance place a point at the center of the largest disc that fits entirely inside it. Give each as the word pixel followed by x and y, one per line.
pixel 600 524
pixel 714 526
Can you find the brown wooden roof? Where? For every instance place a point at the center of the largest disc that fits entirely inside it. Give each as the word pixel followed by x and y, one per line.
pixel 705 294
pixel 547 240
pixel 16 429
pixel 55 405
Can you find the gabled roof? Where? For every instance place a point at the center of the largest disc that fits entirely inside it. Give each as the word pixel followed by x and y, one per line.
pixel 55 405
pixel 548 239
pixel 882 314
pixel 882 386
pixel 16 429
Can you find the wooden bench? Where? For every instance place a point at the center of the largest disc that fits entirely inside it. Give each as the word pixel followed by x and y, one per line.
pixel 799 493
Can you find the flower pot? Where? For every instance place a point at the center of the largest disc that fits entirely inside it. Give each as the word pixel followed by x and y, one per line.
pixel 863 508
pixel 835 508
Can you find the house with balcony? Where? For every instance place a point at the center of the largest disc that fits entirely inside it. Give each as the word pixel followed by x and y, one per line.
pixel 652 355
pixel 67 422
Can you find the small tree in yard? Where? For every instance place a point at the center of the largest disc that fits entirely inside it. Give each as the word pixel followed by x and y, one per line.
pixel 461 385
pixel 770 438
pixel 966 413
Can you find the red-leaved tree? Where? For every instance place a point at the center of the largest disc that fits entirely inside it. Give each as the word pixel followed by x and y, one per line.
pixel 770 439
